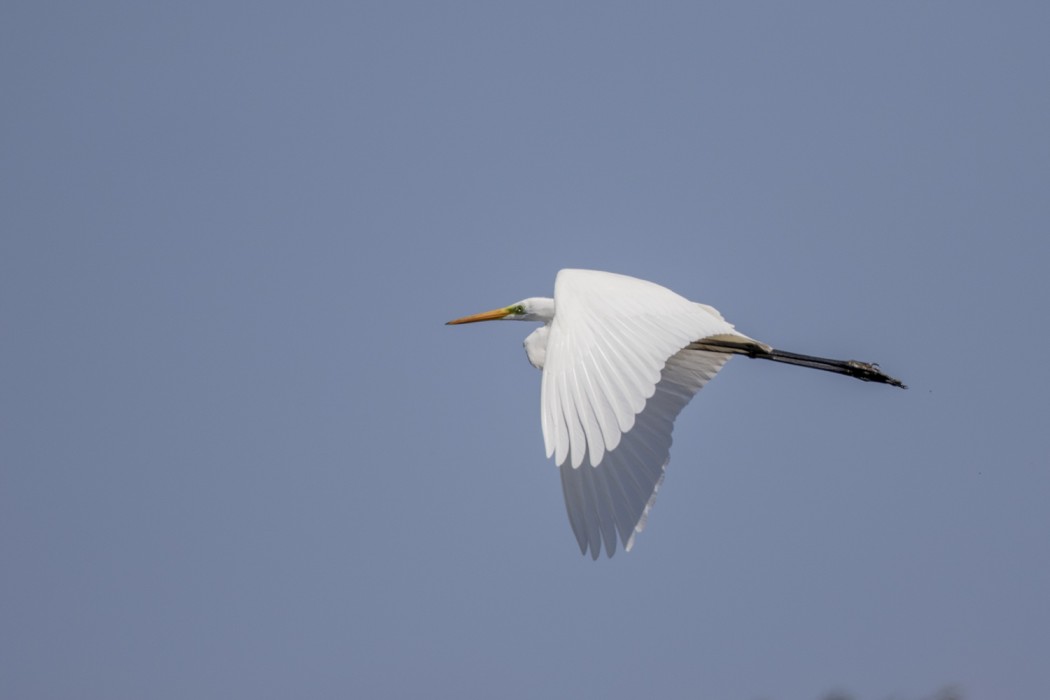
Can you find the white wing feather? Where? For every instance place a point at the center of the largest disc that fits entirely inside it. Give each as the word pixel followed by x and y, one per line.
pixel 609 341
pixel 615 377
pixel 615 497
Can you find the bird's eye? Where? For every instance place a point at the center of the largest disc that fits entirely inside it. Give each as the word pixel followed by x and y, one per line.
pixel 518 310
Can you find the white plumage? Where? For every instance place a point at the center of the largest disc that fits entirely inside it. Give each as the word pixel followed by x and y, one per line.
pixel 615 376
pixel 621 357
pixel 615 496
pixel 609 341
pixel 615 379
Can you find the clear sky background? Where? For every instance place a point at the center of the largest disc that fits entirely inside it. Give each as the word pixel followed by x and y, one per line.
pixel 242 457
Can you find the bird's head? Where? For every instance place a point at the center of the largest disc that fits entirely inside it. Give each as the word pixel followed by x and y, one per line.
pixel 531 309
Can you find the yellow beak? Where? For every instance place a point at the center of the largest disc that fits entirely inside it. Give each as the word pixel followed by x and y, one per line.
pixel 493 315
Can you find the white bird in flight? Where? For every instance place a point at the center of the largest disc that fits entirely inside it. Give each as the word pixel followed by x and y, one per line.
pixel 620 359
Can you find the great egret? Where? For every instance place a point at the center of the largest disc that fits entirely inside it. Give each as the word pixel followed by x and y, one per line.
pixel 620 359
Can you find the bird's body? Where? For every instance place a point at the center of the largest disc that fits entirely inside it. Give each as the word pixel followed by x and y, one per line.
pixel 620 359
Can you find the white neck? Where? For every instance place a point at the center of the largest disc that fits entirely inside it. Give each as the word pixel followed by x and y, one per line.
pixel 538 309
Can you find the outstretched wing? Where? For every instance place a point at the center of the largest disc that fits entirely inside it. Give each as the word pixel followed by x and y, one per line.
pixel 615 378
pixel 609 341
pixel 614 498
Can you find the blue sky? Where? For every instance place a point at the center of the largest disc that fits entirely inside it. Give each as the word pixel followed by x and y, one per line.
pixel 243 457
